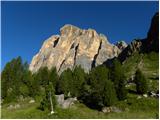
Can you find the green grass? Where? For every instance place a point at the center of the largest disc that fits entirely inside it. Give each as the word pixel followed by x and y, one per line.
pixel 132 108
pixel 149 66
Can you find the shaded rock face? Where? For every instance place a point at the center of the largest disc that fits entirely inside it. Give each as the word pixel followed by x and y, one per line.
pixel 151 43
pixel 72 47
pixel 153 34
pixel 134 46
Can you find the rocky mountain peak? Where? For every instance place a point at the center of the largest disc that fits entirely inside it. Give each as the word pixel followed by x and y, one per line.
pixel 121 45
pixel 72 47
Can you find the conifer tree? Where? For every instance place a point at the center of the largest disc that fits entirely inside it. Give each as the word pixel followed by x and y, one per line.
pixel 141 82
pixel 119 80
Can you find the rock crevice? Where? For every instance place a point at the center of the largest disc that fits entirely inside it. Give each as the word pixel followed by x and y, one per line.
pixel 72 47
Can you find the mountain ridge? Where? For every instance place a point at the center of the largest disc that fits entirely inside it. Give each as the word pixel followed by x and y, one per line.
pixel 87 48
pixel 72 47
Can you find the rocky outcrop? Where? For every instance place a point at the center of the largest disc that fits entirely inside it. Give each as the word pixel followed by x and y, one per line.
pixel 72 47
pixel 121 45
pixel 150 43
pixel 134 46
pixel 153 34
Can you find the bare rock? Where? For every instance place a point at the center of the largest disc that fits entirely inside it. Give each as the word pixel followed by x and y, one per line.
pixel 139 97
pixel 106 110
pixel 60 99
pixel 68 102
pixel 65 103
pixel 10 107
pixel 72 47
pixel 121 45
pixel 145 95
pixel 32 101
pixel 111 109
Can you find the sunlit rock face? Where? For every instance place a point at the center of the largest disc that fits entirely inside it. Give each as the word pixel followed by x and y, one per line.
pixel 72 47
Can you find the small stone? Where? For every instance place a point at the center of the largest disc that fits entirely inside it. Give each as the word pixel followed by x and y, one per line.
pixel 145 95
pixel 106 109
pixel 10 107
pixel 52 112
pixel 17 106
pixel 32 101
pixel 139 97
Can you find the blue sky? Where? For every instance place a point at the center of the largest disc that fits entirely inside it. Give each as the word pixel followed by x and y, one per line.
pixel 25 25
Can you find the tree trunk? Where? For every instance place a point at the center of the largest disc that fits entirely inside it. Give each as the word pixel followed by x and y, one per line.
pixel 51 102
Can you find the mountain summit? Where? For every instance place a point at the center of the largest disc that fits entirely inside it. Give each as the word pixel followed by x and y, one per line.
pixel 72 47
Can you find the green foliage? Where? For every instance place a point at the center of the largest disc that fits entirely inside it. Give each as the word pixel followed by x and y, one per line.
pixel 110 97
pixel 49 99
pixel 102 91
pixel 48 79
pixel 65 82
pixel 141 82
pixel 153 56
pixel 14 80
pixel 43 76
pixel 24 90
pixel 53 76
pixel 119 79
pixel 77 81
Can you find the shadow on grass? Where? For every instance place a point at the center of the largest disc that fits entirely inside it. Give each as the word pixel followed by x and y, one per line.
pixel 132 92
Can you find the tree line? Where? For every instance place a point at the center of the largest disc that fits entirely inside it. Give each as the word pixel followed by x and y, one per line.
pixel 102 86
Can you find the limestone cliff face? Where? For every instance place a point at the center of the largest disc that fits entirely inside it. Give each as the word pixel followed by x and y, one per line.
pixel 72 47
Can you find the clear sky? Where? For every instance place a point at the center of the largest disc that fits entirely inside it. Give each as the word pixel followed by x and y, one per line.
pixel 25 25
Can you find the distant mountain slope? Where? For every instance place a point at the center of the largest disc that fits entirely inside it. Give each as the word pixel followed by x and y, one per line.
pixel 143 54
pixel 150 43
pixel 148 63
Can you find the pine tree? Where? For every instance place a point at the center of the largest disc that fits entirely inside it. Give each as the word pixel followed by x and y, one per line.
pixel 65 82
pixel 110 97
pixel 102 90
pixel 77 81
pixel 119 80
pixel 141 82
pixel 12 79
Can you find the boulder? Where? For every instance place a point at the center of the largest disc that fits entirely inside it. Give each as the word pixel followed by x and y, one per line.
pixel 60 99
pixel 68 102
pixel 10 107
pixel 65 103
